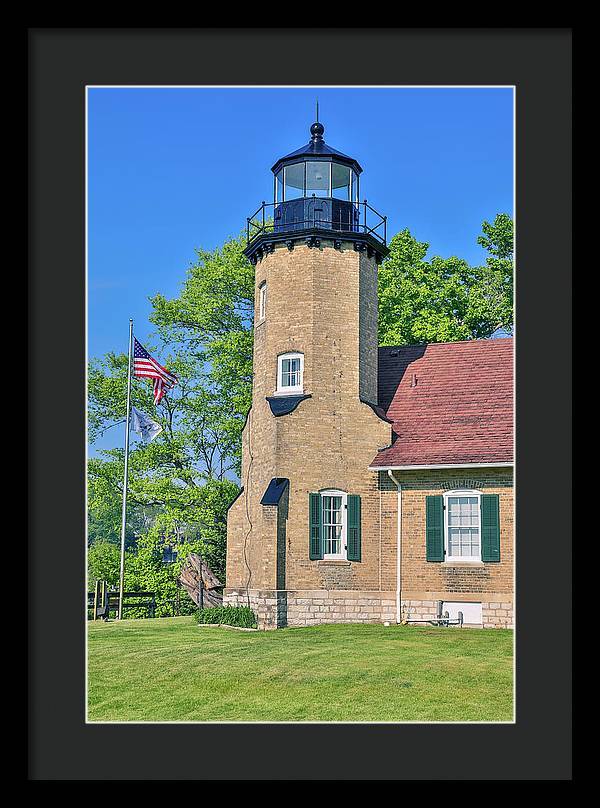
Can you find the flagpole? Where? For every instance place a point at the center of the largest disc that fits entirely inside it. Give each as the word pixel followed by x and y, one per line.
pixel 125 475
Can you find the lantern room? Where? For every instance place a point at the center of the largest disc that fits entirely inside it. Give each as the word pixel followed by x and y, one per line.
pixel 316 191
pixel 316 170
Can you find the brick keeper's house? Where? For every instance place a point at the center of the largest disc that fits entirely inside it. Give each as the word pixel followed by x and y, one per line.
pixel 377 482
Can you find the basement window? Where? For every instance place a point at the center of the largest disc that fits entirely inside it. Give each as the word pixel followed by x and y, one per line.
pixel 290 372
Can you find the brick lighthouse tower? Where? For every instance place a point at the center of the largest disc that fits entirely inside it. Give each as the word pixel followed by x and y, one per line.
pixel 304 534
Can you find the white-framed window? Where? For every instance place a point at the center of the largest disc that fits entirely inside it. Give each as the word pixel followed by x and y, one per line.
pixel 334 522
pixel 462 525
pixel 290 373
pixel 262 301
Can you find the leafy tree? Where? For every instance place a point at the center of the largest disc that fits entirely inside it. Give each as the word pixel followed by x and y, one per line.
pixel 104 509
pixel 104 563
pixel 498 238
pixel 445 299
pixel 180 485
pixel 145 570
pixel 178 480
pixel 212 321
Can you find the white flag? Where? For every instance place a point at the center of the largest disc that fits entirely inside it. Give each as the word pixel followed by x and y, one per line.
pixel 144 425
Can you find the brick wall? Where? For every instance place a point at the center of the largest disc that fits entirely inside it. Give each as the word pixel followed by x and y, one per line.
pixel 425 582
pixel 321 302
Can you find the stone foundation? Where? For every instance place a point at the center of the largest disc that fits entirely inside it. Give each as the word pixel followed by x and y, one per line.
pixel 498 614
pixel 310 607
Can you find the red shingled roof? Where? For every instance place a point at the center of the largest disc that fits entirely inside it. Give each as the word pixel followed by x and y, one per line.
pixel 450 403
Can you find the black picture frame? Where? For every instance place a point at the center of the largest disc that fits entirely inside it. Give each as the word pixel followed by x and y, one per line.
pixel 61 63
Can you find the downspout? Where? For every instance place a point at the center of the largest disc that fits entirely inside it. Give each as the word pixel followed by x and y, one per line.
pixel 398 549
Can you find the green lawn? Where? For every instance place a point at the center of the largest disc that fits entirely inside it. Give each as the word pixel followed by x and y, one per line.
pixel 169 669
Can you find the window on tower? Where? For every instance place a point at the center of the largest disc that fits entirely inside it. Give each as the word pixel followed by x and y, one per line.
pixel 262 301
pixel 290 372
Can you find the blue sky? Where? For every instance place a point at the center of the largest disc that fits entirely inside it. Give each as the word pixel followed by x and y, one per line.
pixel 173 169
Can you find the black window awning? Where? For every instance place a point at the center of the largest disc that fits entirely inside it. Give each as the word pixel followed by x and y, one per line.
pixel 274 491
pixel 282 405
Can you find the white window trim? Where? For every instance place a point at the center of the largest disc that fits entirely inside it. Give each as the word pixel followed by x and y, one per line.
pixel 262 301
pixel 460 492
pixel 296 389
pixel 343 554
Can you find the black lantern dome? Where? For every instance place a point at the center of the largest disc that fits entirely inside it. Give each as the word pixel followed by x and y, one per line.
pixel 317 149
pixel 316 195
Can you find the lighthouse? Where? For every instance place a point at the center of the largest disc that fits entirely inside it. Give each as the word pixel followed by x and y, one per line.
pixel 306 525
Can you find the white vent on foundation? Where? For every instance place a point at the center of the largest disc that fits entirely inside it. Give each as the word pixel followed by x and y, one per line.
pixel 471 611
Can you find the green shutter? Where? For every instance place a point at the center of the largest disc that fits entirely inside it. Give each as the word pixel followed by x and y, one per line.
pixel 353 527
pixel 315 542
pixel 434 528
pixel 490 527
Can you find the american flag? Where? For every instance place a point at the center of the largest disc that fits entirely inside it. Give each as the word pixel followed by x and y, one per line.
pixel 144 365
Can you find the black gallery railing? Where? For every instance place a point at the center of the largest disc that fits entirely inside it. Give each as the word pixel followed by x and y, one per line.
pixel 306 213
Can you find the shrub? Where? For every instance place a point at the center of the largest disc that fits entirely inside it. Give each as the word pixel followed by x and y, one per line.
pixel 186 604
pixel 240 616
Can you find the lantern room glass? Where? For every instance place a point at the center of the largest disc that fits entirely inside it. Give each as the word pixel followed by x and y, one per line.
pixel 354 187
pixel 279 186
pixel 293 181
pixel 340 182
pixel 318 178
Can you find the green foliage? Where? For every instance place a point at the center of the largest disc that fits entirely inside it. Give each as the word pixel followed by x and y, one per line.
pixel 241 616
pixel 180 484
pixel 446 299
pixel 187 606
pixel 178 488
pixel 497 287
pixel 498 238
pixel 105 479
pixel 146 571
pixel 104 561
pixel 212 319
